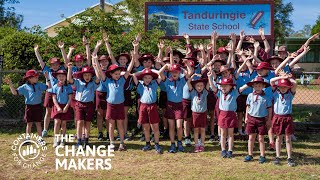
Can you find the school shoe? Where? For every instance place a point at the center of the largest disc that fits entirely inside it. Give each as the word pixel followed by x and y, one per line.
pixel 248 158
pixel 158 148
pixel 201 148
pixel 229 154
pixel 127 138
pixel 78 145
pixel 291 162
pixel 122 147
pixel 118 138
pixel 276 161
pixel 146 148
pixel 211 138
pixel 224 153
pixel 272 147
pixel 55 143
pixel 196 148
pixel 262 159
pixel 180 147
pixel 100 136
pixel 44 133
pixel 41 142
pixel 187 142
pixel 172 148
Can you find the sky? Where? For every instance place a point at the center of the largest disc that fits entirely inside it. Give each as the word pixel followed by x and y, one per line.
pixel 47 12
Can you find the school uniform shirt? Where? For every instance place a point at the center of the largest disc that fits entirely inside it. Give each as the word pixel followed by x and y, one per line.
pixel 32 92
pixel 259 104
pixel 101 87
pixel 228 102
pixel 62 92
pixel 268 90
pixel 148 93
pixel 115 90
pixel 53 81
pixel 84 90
pixel 244 78
pixel 175 89
pixel 75 69
pixel 199 101
pixel 282 103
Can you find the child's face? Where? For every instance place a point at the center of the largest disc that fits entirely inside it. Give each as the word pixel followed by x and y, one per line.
pixel 226 74
pixel 115 75
pixel 78 64
pixel 123 61
pixel 198 55
pixel 275 63
pixel 175 74
pixel 283 89
pixel 55 66
pixel 104 63
pixel 258 87
pixel 61 77
pixel 199 86
pixel 216 66
pixel 33 80
pixel 176 58
pixel 262 72
pixel 226 88
pixel 282 54
pixel 147 64
pixel 147 79
pixel 87 77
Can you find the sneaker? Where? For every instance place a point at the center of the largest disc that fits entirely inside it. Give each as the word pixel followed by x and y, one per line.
pixel 248 158
pixel 196 148
pixel 229 154
pixel 262 159
pixel 78 145
pixel 100 136
pixel 291 162
pixel 276 161
pixel 224 153
pixel 63 143
pixel 272 147
pixel 187 142
pixel 44 133
pixel 55 143
pixel 172 148
pixel 180 147
pixel 158 149
pixel 127 138
pixel 146 148
pixel 199 141
pixel 242 133
pixel 118 138
pixel 41 142
pixel 122 147
pixel 211 138
pixel 112 146
pixel 201 148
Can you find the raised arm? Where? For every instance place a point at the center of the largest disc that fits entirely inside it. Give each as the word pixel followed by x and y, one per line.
pixel 242 36
pixel 134 77
pixel 69 75
pixel 294 85
pixel 242 88
pixel 36 50
pixel 129 69
pixel 12 89
pixel 296 59
pixel 63 52
pixel 106 41
pixel 189 69
pixel 265 42
pixel 283 63
pixel 210 75
pixel 96 49
pixel 46 75
pixel 88 52
pixel 255 54
pixel 161 74
pixel 214 38
pixel 135 45
pixel 160 47
pixel 233 38
pixel 71 48
pixel 96 67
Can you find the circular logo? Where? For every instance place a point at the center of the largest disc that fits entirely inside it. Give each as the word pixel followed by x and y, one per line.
pixel 29 151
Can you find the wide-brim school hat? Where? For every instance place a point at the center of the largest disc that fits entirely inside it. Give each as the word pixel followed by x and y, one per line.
pixel 55 60
pixel 30 73
pixel 124 55
pixel 274 58
pixel 282 49
pixel 263 65
pixel 204 80
pixel 258 80
pixel 104 57
pixel 284 83
pixel 176 52
pixel 147 72
pixel 55 74
pixel 86 69
pixel 166 59
pixel 112 68
pixel 222 50
pixel 227 81
pixel 223 62
pixel 145 57
pixel 225 68
pixel 175 68
pixel 78 57
pixel 191 60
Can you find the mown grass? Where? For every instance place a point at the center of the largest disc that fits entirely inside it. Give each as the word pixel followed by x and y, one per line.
pixel 135 164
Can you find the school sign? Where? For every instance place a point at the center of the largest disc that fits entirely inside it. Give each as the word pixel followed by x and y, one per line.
pixel 199 20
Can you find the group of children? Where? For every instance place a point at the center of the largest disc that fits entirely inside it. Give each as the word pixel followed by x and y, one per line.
pixel 232 84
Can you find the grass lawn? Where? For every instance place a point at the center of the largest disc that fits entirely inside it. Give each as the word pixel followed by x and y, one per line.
pixel 135 164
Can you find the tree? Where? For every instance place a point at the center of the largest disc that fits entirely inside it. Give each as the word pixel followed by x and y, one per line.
pixel 282 22
pixel 305 32
pixel 316 28
pixel 8 18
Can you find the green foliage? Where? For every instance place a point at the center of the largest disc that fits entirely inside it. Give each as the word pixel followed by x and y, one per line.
pixel 282 22
pixel 316 28
pixel 8 18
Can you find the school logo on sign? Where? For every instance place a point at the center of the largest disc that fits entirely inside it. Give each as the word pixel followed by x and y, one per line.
pixel 29 151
